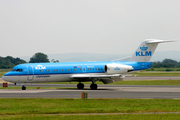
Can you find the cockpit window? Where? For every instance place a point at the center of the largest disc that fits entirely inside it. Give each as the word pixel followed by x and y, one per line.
pixel 13 70
pixel 19 70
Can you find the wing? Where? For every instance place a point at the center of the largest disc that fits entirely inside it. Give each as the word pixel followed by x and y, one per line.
pixel 104 78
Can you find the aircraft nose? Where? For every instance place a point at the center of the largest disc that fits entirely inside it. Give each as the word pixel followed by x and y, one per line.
pixel 3 77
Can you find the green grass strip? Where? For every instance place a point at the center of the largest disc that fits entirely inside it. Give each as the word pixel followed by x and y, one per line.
pixel 157 73
pixel 96 117
pixel 25 106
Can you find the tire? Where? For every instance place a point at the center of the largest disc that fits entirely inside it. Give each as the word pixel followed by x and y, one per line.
pixel 93 86
pixel 80 86
pixel 23 88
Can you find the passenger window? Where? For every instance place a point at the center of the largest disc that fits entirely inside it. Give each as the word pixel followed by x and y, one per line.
pixel 98 68
pixel 68 69
pixel 80 69
pixel 71 69
pixel 40 70
pixel 59 69
pixel 88 68
pixel 101 69
pixel 65 69
pixel 56 69
pixel 51 70
pixel 93 68
pixel 46 70
pixel 74 69
pixel 62 69
pixel 77 69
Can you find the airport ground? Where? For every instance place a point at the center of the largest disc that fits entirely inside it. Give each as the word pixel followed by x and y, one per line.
pixel 146 87
pixel 139 96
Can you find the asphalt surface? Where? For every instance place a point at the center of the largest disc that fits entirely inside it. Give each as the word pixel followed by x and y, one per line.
pixel 104 91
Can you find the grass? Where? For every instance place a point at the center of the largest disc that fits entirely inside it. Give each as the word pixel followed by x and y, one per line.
pixel 25 106
pixel 5 70
pixel 2 73
pixel 56 108
pixel 162 69
pixel 97 117
pixel 155 73
pixel 46 106
pixel 148 82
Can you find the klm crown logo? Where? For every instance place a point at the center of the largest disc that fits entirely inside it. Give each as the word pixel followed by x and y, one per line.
pixel 116 68
pixel 143 52
pixel 143 48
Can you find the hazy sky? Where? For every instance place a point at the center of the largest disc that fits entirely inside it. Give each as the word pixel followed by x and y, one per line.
pixel 87 26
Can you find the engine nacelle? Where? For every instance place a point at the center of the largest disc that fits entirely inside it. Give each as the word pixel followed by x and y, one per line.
pixel 117 68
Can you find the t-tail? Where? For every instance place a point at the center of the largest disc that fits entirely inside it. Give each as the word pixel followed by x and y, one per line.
pixel 146 50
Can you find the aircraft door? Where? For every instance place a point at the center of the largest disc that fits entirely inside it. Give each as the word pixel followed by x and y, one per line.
pixel 84 69
pixel 30 73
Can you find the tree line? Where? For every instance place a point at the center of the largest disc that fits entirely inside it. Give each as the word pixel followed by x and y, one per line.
pixel 9 62
pixel 166 63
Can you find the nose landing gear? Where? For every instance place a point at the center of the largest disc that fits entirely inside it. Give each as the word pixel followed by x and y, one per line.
pixel 23 87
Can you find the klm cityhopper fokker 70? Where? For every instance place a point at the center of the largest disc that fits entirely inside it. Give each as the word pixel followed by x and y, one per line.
pixel 105 71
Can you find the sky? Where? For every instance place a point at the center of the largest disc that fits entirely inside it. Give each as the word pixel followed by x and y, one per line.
pixel 86 26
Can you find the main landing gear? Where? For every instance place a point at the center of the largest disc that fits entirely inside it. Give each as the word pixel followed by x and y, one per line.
pixel 80 86
pixel 23 87
pixel 92 86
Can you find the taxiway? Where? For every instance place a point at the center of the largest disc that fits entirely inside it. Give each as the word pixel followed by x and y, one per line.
pixel 104 91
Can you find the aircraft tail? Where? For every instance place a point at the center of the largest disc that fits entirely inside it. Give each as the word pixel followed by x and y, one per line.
pixel 146 50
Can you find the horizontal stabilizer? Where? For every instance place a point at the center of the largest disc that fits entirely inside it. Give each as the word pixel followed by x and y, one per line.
pixel 151 41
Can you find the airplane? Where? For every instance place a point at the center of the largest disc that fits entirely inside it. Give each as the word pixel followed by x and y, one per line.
pixel 104 71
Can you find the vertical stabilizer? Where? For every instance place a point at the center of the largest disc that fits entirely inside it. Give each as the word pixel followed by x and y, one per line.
pixel 146 50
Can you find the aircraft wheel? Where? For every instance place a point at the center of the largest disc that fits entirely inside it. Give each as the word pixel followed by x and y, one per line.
pixel 23 87
pixel 80 86
pixel 93 86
